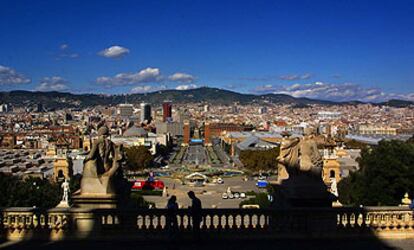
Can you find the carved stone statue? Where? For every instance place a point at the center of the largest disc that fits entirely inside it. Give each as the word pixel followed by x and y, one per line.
pixel 299 156
pixel 299 181
pixel 101 165
pixel 334 187
pixel 64 203
pixel 66 189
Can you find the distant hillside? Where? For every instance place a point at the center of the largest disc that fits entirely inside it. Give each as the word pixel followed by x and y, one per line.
pixel 397 103
pixel 59 100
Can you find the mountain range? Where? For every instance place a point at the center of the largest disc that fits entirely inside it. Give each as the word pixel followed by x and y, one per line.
pixel 57 100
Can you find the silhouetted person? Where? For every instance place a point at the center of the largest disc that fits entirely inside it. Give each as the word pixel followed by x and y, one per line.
pixel 172 208
pixel 195 211
pixel 171 220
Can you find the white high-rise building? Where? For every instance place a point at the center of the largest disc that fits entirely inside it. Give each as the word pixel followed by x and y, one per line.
pixel 4 108
pixel 125 110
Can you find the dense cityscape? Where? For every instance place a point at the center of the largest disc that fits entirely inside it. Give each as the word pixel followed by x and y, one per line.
pixel 208 125
pixel 209 141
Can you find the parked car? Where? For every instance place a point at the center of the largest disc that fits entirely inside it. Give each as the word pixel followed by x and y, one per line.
pixel 148 185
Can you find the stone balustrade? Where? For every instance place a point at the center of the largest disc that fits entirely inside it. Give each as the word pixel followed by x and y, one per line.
pixel 72 223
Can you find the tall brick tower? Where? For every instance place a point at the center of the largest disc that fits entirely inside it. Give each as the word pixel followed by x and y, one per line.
pixel 166 111
pixel 186 133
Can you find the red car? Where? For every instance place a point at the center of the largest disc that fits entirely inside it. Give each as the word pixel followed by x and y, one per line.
pixel 146 184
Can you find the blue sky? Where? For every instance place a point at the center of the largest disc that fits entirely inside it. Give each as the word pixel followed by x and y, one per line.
pixel 338 50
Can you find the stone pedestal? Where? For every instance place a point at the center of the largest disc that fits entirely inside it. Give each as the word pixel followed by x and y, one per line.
pixel 85 213
pixel 87 223
pixel 302 191
pixel 63 204
pixel 95 201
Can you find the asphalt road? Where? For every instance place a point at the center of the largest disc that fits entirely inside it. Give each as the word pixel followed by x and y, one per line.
pixel 196 154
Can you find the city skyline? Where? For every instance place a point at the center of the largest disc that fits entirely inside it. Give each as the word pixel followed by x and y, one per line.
pixel 341 51
pixel 194 124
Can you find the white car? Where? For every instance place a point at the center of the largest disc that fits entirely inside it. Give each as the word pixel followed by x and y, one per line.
pixel 224 196
pixel 220 181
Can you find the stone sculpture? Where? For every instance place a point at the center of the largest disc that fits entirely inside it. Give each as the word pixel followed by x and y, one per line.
pixel 101 165
pixel 64 203
pixel 299 156
pixel 66 188
pixel 299 181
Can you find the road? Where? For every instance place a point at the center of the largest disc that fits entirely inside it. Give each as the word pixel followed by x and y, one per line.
pixel 196 155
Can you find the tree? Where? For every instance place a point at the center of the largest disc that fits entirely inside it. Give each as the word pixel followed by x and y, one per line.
pixel 386 173
pixel 256 160
pixel 139 157
pixel 354 144
pixel 162 150
pixel 28 193
pixel 259 199
pixel 411 139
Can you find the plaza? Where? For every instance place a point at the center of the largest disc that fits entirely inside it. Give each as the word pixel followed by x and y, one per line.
pixel 209 194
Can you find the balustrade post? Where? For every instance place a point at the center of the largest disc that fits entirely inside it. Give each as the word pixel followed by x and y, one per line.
pixel 219 223
pixel 226 219
pixel 20 223
pixel 250 221
pixel 59 223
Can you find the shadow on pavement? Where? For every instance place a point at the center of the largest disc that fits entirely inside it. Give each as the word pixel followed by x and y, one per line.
pixel 218 244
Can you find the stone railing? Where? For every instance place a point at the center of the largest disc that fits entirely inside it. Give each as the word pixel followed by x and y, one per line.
pixel 59 224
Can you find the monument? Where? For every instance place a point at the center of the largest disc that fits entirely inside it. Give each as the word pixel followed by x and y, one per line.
pixel 102 181
pixel 64 203
pixel 300 181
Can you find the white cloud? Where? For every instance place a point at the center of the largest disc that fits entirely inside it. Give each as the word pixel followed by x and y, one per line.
pixel 181 77
pixel 65 52
pixel 68 55
pixel 114 52
pixel 148 75
pixel 268 88
pixel 296 77
pixel 333 92
pixel 10 76
pixel 147 88
pixel 186 87
pixel 54 83
pixel 64 46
